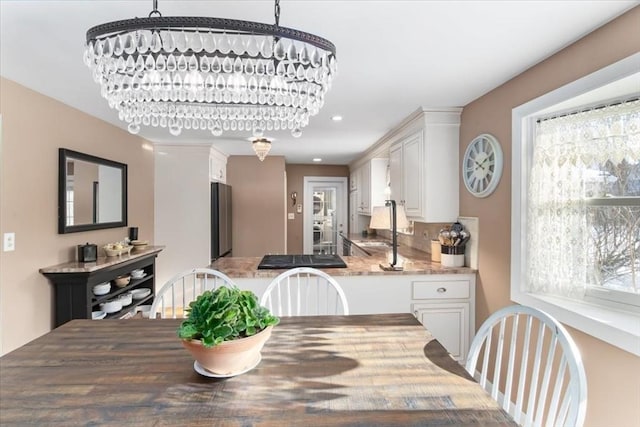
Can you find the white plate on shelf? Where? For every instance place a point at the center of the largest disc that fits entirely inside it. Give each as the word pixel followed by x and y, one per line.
pixel 111 306
pixel 96 315
pixel 205 372
pixel 140 293
pixel 138 276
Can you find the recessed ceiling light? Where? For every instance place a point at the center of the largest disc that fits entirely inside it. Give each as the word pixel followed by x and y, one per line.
pixel 317 159
pixel 336 118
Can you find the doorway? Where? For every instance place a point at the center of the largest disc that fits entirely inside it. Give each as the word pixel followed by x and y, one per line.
pixel 325 215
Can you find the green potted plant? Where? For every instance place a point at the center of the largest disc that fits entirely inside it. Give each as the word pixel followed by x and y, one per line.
pixel 226 329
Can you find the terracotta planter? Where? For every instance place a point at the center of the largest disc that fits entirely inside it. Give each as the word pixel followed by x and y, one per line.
pixel 230 356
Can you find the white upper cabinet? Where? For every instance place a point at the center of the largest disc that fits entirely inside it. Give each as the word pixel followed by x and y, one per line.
pixel 395 173
pixel 354 217
pixel 371 185
pixel 353 181
pixel 378 182
pixel 424 161
pixel 217 166
pixel 364 189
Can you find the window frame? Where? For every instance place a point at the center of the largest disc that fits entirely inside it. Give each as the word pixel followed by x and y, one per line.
pixel 607 321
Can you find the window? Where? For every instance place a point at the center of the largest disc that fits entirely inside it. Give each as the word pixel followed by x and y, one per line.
pixel 576 204
pixel 584 204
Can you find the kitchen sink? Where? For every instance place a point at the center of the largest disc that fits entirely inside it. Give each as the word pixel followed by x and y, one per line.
pixel 371 243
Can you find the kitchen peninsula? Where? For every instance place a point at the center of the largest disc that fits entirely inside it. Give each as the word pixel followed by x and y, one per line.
pixel 441 297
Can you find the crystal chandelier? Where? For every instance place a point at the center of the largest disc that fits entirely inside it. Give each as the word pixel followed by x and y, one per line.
pixel 210 73
pixel 261 146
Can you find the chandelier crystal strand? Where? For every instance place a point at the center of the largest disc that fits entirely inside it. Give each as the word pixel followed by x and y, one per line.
pixel 210 73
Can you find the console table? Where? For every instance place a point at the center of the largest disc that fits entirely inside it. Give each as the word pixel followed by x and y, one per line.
pixel 73 283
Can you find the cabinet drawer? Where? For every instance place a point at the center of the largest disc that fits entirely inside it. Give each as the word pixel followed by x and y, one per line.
pixel 440 289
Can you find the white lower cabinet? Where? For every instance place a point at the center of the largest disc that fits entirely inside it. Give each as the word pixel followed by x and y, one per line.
pixel 449 323
pixel 443 303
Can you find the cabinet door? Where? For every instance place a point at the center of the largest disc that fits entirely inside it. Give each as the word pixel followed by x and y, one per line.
pixel 217 170
pixel 413 168
pixel 395 173
pixel 354 226
pixel 379 182
pixel 353 181
pixel 365 189
pixel 448 323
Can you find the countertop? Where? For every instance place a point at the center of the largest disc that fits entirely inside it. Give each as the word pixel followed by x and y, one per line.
pixel 102 262
pixel 415 262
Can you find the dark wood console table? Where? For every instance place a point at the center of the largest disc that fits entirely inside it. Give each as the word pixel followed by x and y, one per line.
pixel 73 283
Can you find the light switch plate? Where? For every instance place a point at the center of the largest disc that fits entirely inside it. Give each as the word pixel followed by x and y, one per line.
pixel 9 242
pixel 299 208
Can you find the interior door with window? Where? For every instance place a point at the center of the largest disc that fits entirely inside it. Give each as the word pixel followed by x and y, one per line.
pixel 325 214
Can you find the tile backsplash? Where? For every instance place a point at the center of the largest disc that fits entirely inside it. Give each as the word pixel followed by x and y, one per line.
pixel 421 237
pixel 423 233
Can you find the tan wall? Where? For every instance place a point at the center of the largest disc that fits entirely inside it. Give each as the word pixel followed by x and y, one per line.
pixel 613 375
pixel 295 182
pixel 258 203
pixel 33 128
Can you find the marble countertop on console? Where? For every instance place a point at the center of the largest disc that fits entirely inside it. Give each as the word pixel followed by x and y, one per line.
pixel 102 262
pixel 415 262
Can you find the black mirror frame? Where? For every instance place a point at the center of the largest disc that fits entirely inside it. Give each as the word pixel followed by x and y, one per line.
pixel 63 154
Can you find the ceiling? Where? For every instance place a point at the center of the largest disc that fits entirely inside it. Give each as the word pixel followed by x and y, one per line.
pixel 393 57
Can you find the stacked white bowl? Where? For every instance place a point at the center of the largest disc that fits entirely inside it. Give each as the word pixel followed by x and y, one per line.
pixel 111 306
pixel 102 288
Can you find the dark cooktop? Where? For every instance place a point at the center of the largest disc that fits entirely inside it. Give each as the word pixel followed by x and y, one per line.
pixel 292 261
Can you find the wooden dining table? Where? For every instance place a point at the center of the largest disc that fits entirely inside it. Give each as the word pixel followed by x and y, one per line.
pixel 363 370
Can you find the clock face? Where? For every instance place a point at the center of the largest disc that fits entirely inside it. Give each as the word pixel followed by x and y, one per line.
pixel 482 165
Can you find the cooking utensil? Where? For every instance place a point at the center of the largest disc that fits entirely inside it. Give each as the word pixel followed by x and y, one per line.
pixel 447 237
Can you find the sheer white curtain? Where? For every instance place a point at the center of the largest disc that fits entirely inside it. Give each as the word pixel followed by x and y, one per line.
pixel 567 155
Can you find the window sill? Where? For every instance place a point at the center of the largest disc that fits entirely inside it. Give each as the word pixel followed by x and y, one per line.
pixel 616 327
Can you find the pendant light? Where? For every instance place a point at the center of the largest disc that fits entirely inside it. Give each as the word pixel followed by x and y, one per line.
pixel 210 74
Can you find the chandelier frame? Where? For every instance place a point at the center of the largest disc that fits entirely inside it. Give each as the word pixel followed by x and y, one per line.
pixel 214 25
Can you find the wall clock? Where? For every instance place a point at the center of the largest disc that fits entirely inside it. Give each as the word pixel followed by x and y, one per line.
pixel 482 165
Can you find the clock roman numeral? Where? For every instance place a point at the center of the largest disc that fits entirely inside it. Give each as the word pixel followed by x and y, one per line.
pixel 476 185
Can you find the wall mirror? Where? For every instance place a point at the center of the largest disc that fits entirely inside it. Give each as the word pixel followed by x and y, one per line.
pixel 92 192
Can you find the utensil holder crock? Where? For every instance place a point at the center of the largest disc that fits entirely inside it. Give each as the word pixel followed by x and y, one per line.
pixel 452 256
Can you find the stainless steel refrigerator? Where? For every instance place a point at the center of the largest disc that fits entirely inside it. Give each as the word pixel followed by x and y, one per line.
pixel 220 220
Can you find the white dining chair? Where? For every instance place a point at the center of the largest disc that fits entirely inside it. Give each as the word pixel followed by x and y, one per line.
pixel 172 300
pixel 305 291
pixel 549 387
